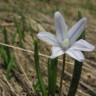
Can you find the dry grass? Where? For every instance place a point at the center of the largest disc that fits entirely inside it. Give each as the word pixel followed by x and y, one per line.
pixel 39 16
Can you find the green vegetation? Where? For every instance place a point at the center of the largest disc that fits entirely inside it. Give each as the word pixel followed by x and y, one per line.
pixel 25 9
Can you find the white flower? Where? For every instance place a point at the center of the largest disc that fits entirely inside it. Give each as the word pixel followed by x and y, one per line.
pixel 64 42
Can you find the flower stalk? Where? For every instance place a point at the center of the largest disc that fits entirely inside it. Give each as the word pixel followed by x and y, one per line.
pixel 62 74
pixel 52 76
pixel 37 68
pixel 75 78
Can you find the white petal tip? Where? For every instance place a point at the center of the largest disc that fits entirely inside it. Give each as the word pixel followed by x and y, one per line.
pixel 57 14
pixel 38 35
pixel 93 48
pixel 81 60
pixel 84 18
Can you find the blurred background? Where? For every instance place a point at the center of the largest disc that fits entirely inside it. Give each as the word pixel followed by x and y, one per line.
pixel 28 17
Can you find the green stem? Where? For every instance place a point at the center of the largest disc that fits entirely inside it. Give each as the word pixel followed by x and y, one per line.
pixel 62 74
pixel 37 68
pixel 77 68
pixel 52 76
pixel 75 78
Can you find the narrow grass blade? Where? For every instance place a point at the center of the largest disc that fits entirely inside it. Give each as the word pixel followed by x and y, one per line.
pixel 19 31
pixel 75 78
pixel 14 38
pixel 79 17
pixel 52 76
pixel 5 50
pixel 6 41
pixel 11 65
pixel 37 68
pixel 6 54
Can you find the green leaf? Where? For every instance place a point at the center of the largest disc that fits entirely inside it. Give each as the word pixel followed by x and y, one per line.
pixel 6 41
pixel 20 32
pixel 6 55
pixel 83 33
pixel 52 76
pixel 37 68
pixel 75 78
pixel 11 65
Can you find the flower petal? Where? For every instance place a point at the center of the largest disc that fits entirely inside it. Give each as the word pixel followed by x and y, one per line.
pixel 61 27
pixel 77 29
pixel 47 37
pixel 83 45
pixel 76 54
pixel 56 51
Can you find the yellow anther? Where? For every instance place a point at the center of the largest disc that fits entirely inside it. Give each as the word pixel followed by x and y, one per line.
pixel 66 42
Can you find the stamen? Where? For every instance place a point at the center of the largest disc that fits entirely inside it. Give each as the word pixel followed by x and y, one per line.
pixel 65 44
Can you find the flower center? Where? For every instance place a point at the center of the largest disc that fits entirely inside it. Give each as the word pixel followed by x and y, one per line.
pixel 65 44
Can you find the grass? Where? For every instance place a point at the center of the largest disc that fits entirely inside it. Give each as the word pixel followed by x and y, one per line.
pixel 28 8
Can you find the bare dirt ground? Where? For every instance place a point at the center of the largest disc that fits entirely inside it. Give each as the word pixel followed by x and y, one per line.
pixel 39 17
